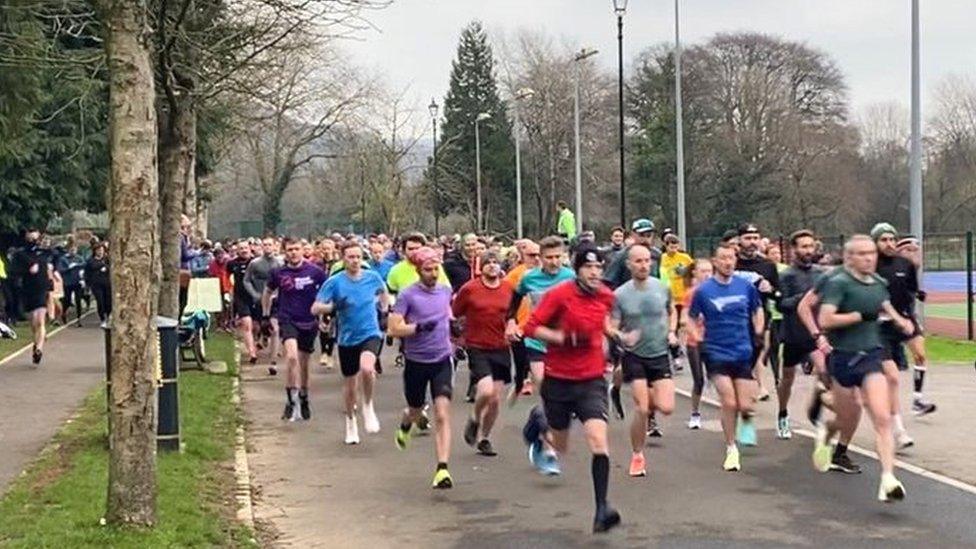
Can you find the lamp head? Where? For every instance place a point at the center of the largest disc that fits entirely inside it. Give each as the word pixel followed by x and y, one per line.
pixel 432 108
pixel 482 117
pixel 620 6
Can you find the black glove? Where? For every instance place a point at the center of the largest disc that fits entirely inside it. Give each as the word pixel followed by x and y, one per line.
pixel 384 318
pixel 428 326
pixel 869 317
pixel 922 295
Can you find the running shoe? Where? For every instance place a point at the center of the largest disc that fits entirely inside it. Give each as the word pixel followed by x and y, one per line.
pixel 605 520
pixel 423 422
pixel 272 370
pixel 747 433
pixel 921 407
pixel 821 450
pixel 653 430
pixel 527 388
pixel 352 431
pixel 371 422
pixel 471 432
pixel 618 406
pixel 890 489
pixel 695 422
pixel 843 464
pixel 550 464
pixel 252 360
pixel 638 465
pixel 289 411
pixel 535 425
pixel 326 362
pixel 535 455
pixel 402 438
pixel 783 431
pixel 306 410
pixel 442 480
pixel 485 448
pixel 763 395
pixel 37 355
pixel 903 441
pixel 6 332
pixel 732 459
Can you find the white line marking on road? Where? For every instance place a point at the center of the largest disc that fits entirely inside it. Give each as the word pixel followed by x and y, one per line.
pixel 49 335
pixel 911 468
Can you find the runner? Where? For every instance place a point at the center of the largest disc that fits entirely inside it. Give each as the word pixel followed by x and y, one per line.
pixel 403 274
pixel 852 302
pixel 529 259
pixel 243 305
pixel 675 267
pixel 733 321
pixel 766 280
pixel 643 309
pixel 798 343
pixel 902 277
pixel 353 294
pixel 32 268
pixel 616 274
pixel 908 247
pixel 462 266
pixel 71 267
pixel 775 344
pixel 482 305
pixel 297 283
pixel 99 280
pixel 572 318
pixel 255 278
pixel 421 317
pixel 702 271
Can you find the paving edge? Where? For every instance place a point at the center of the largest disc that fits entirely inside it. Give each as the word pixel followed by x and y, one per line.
pixel 910 467
pixel 242 472
pixel 47 336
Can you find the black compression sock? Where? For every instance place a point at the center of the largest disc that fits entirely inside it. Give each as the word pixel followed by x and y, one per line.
pixel 840 449
pixel 746 416
pixel 783 413
pixel 919 377
pixel 441 465
pixel 600 469
pixel 405 427
pixel 303 393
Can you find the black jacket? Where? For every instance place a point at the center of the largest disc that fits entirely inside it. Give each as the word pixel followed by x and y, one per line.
pixel 902 278
pixel 794 284
pixel 458 270
pixel 97 272
pixel 764 268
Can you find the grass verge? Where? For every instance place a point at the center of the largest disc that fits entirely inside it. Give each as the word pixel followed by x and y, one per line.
pixel 942 350
pixel 61 499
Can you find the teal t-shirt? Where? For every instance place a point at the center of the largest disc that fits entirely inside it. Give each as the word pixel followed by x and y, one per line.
pixel 850 294
pixel 535 284
pixel 645 309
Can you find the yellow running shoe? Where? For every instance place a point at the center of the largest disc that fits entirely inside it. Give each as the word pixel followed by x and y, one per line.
pixel 732 459
pixel 402 438
pixel 442 480
pixel 821 450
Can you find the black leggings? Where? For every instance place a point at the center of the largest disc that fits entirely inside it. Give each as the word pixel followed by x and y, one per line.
pixel 103 300
pixel 697 366
pixel 774 346
pixel 521 358
pixel 72 294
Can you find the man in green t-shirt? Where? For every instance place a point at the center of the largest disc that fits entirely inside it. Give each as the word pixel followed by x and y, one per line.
pixel 566 225
pixel 851 303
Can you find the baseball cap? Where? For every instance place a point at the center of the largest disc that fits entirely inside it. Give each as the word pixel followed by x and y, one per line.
pixel 748 228
pixel 642 225
pixel 586 253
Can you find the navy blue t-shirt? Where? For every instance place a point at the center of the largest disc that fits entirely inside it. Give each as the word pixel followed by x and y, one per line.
pixel 727 310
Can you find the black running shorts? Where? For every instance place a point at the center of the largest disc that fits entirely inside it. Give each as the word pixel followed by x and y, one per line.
pixel 496 364
pixel 349 356
pixel 794 354
pixel 650 369
pixel 418 376
pixel 304 336
pixel 563 399
pixel 850 369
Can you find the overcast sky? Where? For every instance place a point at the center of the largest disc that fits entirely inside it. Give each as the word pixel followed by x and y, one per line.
pixel 415 40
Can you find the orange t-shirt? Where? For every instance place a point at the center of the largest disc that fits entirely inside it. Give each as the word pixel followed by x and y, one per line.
pixel 525 307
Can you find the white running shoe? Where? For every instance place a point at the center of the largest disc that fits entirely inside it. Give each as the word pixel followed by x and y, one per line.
pixel 352 431
pixel 890 489
pixel 370 420
pixel 694 422
pixel 903 441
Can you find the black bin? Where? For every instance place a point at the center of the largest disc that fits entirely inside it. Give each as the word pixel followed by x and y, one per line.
pixel 167 374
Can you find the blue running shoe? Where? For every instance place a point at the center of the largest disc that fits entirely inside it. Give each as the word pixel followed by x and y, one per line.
pixel 550 465
pixel 536 456
pixel 747 433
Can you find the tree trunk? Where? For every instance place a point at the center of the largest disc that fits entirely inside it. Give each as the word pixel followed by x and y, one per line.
pixel 188 158
pixel 177 158
pixel 134 253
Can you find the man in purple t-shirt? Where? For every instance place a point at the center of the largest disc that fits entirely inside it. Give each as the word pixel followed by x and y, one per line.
pixel 421 317
pixel 297 283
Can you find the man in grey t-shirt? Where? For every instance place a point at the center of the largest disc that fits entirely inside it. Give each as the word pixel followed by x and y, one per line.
pixel 255 279
pixel 643 310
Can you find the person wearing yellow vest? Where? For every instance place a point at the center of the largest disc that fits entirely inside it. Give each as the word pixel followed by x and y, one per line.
pixel 566 226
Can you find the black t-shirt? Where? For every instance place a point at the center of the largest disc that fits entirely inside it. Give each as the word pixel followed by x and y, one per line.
pixel 764 268
pixel 902 278
pixel 33 270
pixel 237 267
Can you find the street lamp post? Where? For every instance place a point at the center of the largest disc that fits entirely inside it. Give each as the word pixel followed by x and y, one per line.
pixel 577 59
pixel 433 167
pixel 679 129
pixel 524 93
pixel 620 7
pixel 477 164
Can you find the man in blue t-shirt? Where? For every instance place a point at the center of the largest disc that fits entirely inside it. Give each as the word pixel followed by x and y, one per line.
pixel 354 295
pixel 296 283
pixel 731 310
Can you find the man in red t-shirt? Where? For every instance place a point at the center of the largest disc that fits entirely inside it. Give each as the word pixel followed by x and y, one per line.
pixel 483 303
pixel 572 319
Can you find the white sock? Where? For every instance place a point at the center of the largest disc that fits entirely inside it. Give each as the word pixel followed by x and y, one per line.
pixel 899 424
pixel 916 395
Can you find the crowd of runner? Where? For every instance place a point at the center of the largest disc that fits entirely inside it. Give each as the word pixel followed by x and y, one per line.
pixel 573 322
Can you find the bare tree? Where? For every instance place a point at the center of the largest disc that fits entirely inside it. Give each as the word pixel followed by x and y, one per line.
pixel 951 177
